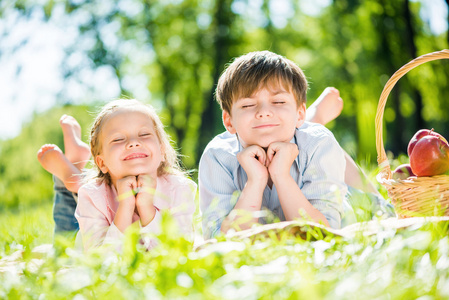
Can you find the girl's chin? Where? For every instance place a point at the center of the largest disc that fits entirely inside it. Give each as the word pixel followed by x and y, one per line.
pixel 137 172
pixel 142 172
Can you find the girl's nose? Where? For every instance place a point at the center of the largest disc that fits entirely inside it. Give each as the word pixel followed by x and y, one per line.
pixel 133 143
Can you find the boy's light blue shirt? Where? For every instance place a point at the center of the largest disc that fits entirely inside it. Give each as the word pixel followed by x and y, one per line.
pixel 319 170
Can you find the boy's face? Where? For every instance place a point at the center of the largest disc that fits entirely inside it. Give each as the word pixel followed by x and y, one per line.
pixel 269 115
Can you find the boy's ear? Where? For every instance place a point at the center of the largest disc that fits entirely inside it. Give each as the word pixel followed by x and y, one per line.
pixel 301 115
pixel 101 165
pixel 227 122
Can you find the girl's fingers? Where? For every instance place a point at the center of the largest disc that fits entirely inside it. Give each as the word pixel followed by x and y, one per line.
pixel 145 180
pixel 146 184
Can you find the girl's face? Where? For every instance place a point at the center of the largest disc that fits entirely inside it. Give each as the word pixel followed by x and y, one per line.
pixel 129 145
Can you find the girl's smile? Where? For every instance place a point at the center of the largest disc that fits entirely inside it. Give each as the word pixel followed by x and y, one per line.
pixel 135 156
pixel 129 145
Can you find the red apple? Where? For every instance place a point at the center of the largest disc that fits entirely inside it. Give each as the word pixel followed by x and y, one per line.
pixel 430 156
pixel 403 171
pixel 419 135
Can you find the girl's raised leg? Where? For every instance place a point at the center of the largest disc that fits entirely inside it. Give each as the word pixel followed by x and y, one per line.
pixel 54 161
pixel 76 151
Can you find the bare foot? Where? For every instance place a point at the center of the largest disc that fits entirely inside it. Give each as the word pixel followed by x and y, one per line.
pixel 54 161
pixel 76 151
pixel 326 108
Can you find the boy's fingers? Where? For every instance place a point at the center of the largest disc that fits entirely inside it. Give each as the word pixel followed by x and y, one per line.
pixel 260 155
pixel 270 155
pixel 287 149
pixel 255 152
pixel 273 148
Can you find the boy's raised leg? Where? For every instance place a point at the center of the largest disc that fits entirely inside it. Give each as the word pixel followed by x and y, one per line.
pixel 326 108
pixel 76 151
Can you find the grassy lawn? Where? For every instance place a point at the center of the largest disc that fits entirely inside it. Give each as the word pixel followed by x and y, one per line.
pixel 25 227
pixel 405 264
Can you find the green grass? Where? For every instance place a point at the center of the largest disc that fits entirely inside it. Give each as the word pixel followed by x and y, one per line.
pixel 25 227
pixel 406 264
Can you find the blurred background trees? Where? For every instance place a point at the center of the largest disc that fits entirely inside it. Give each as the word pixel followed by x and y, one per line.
pixel 171 53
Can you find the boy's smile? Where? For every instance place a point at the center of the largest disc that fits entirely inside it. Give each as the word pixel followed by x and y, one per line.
pixel 270 115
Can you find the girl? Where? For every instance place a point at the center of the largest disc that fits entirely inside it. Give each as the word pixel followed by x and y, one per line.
pixel 137 176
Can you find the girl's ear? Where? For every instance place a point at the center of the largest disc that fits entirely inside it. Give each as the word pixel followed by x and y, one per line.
pixel 301 115
pixel 101 165
pixel 227 122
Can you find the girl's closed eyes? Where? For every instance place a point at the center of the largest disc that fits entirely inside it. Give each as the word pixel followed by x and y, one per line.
pixel 117 140
pixel 135 165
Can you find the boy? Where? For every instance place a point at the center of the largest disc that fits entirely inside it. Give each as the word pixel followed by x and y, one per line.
pixel 269 154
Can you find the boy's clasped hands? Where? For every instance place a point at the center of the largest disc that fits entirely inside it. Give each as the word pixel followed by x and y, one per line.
pixel 274 163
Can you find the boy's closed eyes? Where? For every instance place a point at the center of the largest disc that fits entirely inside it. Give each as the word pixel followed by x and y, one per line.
pixel 269 115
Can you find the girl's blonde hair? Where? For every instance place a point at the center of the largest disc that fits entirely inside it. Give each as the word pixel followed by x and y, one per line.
pixel 170 163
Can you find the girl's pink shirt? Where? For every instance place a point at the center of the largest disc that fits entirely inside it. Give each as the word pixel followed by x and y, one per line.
pixel 97 205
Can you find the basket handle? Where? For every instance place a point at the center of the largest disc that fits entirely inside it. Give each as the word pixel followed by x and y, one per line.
pixel 382 160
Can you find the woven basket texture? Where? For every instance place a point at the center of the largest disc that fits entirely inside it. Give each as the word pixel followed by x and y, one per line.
pixel 414 196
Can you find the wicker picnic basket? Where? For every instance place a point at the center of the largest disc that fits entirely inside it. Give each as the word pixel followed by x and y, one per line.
pixel 414 196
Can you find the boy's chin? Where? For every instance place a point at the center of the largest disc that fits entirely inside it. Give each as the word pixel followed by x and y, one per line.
pixel 264 143
pixel 261 145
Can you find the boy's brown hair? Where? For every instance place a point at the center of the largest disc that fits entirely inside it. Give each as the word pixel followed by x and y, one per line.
pixel 252 71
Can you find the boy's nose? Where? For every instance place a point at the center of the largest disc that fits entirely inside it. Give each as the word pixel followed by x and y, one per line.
pixel 264 112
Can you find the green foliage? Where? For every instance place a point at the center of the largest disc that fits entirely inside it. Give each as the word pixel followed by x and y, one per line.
pixel 391 264
pixel 30 226
pixel 176 50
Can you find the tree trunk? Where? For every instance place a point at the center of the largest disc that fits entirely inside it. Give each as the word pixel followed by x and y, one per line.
pixel 211 116
pixel 386 54
pixel 410 40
